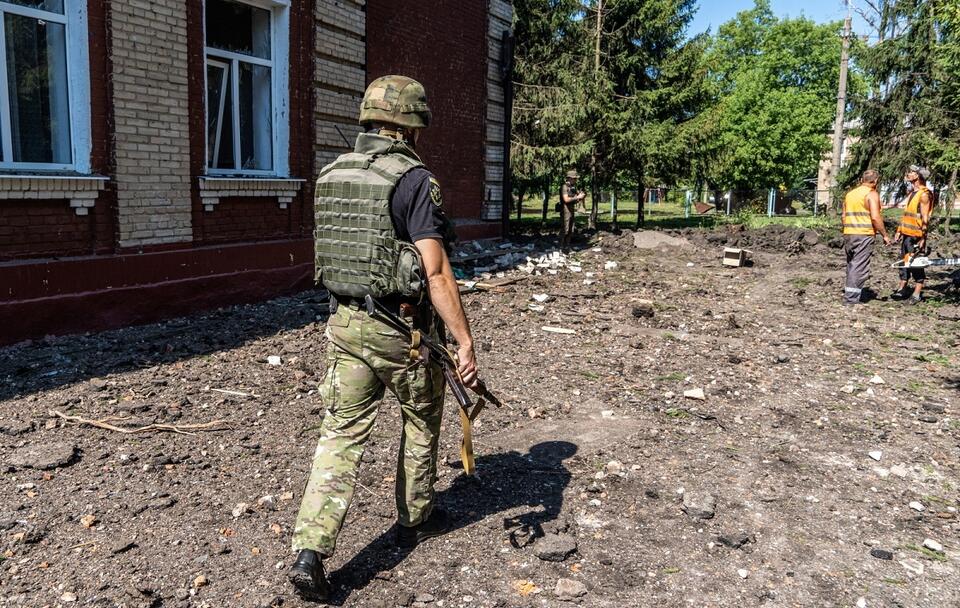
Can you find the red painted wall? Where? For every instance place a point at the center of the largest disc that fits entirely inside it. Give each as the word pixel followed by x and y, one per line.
pixel 443 45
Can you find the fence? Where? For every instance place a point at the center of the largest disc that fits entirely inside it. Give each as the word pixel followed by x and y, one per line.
pixel 678 202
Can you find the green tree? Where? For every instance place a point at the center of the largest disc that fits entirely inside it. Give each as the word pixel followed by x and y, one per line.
pixel 775 83
pixel 646 83
pixel 548 113
pixel 911 114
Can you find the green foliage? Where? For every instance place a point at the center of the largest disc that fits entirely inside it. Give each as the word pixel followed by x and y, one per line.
pixel 775 87
pixel 911 114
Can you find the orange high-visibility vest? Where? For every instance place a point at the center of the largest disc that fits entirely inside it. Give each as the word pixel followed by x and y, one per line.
pixel 856 213
pixel 912 222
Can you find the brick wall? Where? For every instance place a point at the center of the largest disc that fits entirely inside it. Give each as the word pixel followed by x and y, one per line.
pixel 248 219
pixel 501 18
pixel 439 44
pixel 149 57
pixel 46 228
pixel 339 76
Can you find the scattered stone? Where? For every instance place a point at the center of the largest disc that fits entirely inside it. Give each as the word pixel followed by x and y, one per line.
pixel 848 389
pixel 917 506
pixel 877 380
pixel 899 470
pixel 876 454
pixel 541 297
pixel 424 598
pixel 614 467
pixel 43 456
pixel 274 360
pixel 881 472
pixel 913 566
pixel 268 502
pixel 935 408
pixel 569 589
pixel 611 265
pixel 16 427
pixel 782 358
pixel 643 309
pixel 122 546
pixel 928 419
pixel 68 596
pixel 200 581
pixel 881 553
pixel 88 521
pixel 555 547
pixel 695 393
pixel 743 573
pixel 699 505
pixel 861 602
pixel 933 545
pixel 98 384
pixel 735 540
pixel 607 413
pixel 239 510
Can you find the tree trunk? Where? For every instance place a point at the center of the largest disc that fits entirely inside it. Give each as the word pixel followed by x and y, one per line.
pixel 613 211
pixel 546 203
pixel 522 192
pixel 950 200
pixel 640 193
pixel 594 204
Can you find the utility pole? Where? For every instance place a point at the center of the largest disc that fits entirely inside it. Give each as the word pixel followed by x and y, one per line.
pixel 841 100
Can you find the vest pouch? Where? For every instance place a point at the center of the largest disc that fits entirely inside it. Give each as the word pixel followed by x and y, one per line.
pixel 409 272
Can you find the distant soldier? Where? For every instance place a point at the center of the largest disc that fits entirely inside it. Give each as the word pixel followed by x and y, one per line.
pixel 570 196
pixel 862 221
pixel 912 233
pixel 380 231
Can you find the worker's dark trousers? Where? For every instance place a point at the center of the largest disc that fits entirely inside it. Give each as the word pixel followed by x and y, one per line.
pixel 917 274
pixel 859 250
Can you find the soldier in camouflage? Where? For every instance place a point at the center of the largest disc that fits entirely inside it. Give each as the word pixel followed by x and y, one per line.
pixel 380 231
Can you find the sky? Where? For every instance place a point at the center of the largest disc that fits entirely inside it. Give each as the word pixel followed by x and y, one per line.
pixel 712 13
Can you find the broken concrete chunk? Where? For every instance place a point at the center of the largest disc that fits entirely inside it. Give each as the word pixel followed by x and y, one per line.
pixel 43 456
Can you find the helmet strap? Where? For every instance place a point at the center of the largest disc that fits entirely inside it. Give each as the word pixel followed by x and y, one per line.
pixel 398 134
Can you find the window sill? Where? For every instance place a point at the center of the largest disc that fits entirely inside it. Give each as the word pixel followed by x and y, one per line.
pixel 81 190
pixel 213 188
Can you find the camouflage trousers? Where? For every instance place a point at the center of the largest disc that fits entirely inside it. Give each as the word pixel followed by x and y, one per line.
pixel 364 357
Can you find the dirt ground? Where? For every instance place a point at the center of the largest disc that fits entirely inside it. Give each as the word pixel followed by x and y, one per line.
pixel 822 457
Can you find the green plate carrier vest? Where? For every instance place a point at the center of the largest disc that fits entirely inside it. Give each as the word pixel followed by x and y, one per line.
pixel 356 246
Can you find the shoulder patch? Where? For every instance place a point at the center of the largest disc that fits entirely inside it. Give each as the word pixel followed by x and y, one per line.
pixel 435 195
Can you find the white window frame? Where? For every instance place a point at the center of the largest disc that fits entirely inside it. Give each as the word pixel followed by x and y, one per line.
pixel 74 17
pixel 279 64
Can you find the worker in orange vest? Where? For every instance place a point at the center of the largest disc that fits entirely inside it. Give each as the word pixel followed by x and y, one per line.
pixel 912 233
pixel 862 221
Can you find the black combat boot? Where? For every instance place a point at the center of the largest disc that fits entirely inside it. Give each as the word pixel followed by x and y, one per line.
pixel 437 524
pixel 307 576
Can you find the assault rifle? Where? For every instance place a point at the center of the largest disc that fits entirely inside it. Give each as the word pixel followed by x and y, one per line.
pixel 446 359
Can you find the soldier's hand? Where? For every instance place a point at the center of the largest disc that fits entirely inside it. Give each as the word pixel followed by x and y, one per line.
pixel 467 366
pixel 886 240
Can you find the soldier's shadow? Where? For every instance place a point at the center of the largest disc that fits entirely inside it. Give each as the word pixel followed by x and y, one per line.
pixel 503 482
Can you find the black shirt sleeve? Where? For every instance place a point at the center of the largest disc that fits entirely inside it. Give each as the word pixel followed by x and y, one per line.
pixel 417 208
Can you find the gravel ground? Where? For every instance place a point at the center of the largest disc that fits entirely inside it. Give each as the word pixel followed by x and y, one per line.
pixel 821 458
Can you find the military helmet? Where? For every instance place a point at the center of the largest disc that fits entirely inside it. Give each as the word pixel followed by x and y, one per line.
pixel 395 100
